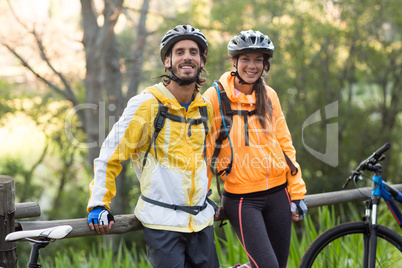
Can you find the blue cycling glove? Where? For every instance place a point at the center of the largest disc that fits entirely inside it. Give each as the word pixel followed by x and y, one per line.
pixel 300 207
pixel 100 215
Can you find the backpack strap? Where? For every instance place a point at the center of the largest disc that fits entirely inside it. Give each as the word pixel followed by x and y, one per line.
pixel 159 122
pixel 226 126
pixel 245 115
pixel 293 169
pixel 227 114
pixel 204 118
pixel 193 210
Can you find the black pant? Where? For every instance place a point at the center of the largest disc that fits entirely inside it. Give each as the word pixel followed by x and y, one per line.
pixel 262 222
pixel 168 249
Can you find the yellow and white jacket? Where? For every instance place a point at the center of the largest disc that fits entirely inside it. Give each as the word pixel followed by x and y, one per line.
pixel 179 174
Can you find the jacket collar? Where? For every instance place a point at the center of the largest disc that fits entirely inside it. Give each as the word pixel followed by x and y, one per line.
pixel 227 82
pixel 167 98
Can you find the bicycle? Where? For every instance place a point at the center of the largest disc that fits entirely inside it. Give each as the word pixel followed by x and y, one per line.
pixel 364 243
pixel 41 238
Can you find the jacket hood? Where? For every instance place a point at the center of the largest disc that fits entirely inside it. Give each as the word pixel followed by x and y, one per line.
pixel 227 82
pixel 167 98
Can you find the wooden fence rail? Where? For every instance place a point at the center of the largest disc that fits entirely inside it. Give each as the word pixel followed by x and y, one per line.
pixel 27 210
pixel 128 222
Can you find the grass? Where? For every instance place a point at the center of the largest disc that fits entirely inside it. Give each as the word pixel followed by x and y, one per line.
pixel 229 249
pixel 99 257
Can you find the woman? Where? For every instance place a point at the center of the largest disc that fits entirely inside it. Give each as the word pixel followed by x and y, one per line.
pixel 263 183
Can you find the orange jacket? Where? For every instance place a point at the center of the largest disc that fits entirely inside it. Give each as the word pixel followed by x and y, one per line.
pixel 261 165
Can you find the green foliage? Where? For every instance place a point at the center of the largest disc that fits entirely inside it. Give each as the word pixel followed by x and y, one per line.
pixel 99 257
pixel 229 248
pixel 24 184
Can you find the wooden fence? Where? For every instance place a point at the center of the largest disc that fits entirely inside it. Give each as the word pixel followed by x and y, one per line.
pixel 9 212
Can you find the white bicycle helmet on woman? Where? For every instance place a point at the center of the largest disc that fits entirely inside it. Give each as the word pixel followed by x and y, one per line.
pixel 250 41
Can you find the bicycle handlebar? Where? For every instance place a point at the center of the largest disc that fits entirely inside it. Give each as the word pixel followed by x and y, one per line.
pixel 376 157
pixel 381 151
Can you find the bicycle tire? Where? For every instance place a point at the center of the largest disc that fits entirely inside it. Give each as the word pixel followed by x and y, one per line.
pixel 341 246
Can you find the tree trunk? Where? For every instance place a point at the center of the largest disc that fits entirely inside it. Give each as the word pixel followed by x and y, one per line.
pixel 98 42
pixel 137 60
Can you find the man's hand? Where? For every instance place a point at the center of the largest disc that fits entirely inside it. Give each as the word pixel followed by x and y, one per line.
pixel 298 209
pixel 100 220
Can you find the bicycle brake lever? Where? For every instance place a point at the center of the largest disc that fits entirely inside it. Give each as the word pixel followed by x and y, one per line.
pixel 346 182
pixel 381 158
pixel 358 178
pixel 355 175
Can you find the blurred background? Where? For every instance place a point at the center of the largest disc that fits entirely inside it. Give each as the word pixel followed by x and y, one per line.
pixel 68 68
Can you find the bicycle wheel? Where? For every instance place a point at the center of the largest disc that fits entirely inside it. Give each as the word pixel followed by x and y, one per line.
pixel 342 246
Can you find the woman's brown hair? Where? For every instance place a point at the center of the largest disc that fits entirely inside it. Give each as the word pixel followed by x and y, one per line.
pixel 263 104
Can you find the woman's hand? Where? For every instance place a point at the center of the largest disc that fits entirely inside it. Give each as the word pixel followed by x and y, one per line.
pixel 298 209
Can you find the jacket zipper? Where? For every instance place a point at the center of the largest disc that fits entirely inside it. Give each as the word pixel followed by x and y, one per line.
pixel 259 143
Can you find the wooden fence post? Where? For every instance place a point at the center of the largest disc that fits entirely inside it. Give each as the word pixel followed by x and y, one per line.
pixel 8 253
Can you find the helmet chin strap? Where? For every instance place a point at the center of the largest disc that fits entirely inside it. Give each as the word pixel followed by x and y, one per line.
pixel 181 82
pixel 241 81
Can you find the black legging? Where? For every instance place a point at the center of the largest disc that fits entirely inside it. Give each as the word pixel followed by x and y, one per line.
pixel 262 222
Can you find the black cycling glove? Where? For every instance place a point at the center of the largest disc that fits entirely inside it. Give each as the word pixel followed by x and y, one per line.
pixel 300 207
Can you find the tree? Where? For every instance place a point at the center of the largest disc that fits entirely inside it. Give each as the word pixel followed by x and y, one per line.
pixel 104 99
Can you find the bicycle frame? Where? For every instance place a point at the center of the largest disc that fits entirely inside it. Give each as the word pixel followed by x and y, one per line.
pixel 380 189
pixel 33 259
pixel 390 194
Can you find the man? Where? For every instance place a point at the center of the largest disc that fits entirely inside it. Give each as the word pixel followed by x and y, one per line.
pixel 163 130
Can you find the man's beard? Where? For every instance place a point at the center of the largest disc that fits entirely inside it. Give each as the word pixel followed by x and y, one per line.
pixel 186 78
